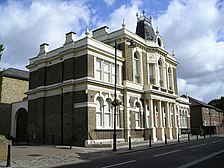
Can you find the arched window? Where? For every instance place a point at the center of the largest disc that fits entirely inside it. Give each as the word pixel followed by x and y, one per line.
pixel 136 68
pixel 169 79
pixel 151 73
pixel 137 115
pixel 160 73
pixel 104 113
pixel 99 112
pixel 108 114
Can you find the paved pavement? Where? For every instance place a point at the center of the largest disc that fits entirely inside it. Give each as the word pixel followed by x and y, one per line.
pixel 51 156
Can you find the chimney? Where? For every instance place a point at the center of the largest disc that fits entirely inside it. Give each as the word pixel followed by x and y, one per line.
pixel 100 32
pixel 44 48
pixel 70 38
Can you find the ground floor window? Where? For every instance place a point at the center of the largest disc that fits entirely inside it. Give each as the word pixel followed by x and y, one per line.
pixel 105 114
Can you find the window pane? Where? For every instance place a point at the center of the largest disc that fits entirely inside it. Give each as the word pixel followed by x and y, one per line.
pixel 107 120
pixel 117 119
pixel 98 70
pixel 136 69
pixel 98 113
pixel 98 64
pixel 106 72
pixel 107 114
pixel 113 74
pixel 98 120
pixel 151 74
pixel 98 75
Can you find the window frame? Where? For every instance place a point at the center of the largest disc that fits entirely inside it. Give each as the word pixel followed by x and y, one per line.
pixel 136 67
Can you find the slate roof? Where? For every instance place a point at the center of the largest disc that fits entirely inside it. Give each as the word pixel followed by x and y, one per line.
pixel 145 30
pixel 204 104
pixel 16 73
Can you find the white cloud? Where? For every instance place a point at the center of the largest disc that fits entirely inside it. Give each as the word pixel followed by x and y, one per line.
pixel 25 26
pixel 109 2
pixel 192 28
pixel 126 12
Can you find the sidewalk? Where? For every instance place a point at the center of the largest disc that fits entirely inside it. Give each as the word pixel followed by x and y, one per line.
pixel 51 156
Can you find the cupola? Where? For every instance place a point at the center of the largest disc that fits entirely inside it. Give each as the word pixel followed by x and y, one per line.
pixel 144 27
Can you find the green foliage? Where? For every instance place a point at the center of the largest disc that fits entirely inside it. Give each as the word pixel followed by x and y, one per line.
pixel 1 50
pixel 218 103
pixel 1 77
pixel 2 138
pixel 1 72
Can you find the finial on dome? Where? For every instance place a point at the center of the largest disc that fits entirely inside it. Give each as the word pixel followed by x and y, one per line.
pixel 123 24
pixel 157 30
pixel 150 20
pixel 142 17
pixel 87 31
pixel 173 53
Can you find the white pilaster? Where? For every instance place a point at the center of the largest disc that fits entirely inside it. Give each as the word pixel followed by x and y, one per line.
pixel 175 128
pixel 169 128
pixel 160 129
pixel 152 120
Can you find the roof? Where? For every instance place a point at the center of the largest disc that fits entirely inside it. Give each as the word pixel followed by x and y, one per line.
pixel 200 103
pixel 145 30
pixel 16 73
pixel 144 27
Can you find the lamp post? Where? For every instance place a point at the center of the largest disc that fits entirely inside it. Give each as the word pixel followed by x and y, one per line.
pixel 115 102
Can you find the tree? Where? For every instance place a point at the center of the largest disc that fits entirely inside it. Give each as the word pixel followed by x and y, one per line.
pixel 1 72
pixel 1 50
pixel 218 103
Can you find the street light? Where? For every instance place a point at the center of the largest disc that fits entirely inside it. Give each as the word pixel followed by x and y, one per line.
pixel 116 101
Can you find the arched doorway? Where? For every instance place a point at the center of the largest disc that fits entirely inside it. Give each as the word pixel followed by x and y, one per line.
pixel 19 118
pixel 21 123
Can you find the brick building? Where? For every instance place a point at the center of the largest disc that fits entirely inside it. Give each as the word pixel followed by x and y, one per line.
pixel 205 116
pixel 71 88
pixel 14 84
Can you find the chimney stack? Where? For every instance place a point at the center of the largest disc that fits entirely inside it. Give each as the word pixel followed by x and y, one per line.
pixel 44 49
pixel 70 38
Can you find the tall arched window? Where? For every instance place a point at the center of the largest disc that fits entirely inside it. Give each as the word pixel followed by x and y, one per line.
pixel 151 73
pixel 169 79
pixel 137 115
pixel 136 68
pixel 108 114
pixel 99 112
pixel 160 73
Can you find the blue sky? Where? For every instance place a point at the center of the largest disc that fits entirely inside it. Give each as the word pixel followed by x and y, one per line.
pixel 193 28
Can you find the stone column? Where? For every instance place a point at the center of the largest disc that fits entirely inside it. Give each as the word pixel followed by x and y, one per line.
pixel 175 128
pixel 188 119
pixel 169 126
pixel 126 116
pixel 146 115
pixel 152 120
pixel 160 129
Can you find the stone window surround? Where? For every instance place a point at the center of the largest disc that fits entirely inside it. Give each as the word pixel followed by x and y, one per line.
pixel 111 72
pixel 104 100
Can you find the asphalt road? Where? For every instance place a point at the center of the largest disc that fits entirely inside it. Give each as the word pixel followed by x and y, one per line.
pixel 206 153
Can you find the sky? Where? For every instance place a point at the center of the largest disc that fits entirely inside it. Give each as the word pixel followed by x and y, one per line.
pixel 194 29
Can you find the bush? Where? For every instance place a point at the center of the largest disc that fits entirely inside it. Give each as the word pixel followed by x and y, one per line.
pixel 2 138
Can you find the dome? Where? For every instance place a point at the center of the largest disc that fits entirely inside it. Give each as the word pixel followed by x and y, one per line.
pixel 144 28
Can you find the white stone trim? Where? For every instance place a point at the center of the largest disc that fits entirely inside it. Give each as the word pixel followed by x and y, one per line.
pixel 84 104
pixel 15 107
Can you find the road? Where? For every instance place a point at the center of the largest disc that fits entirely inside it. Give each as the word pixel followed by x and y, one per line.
pixel 204 153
